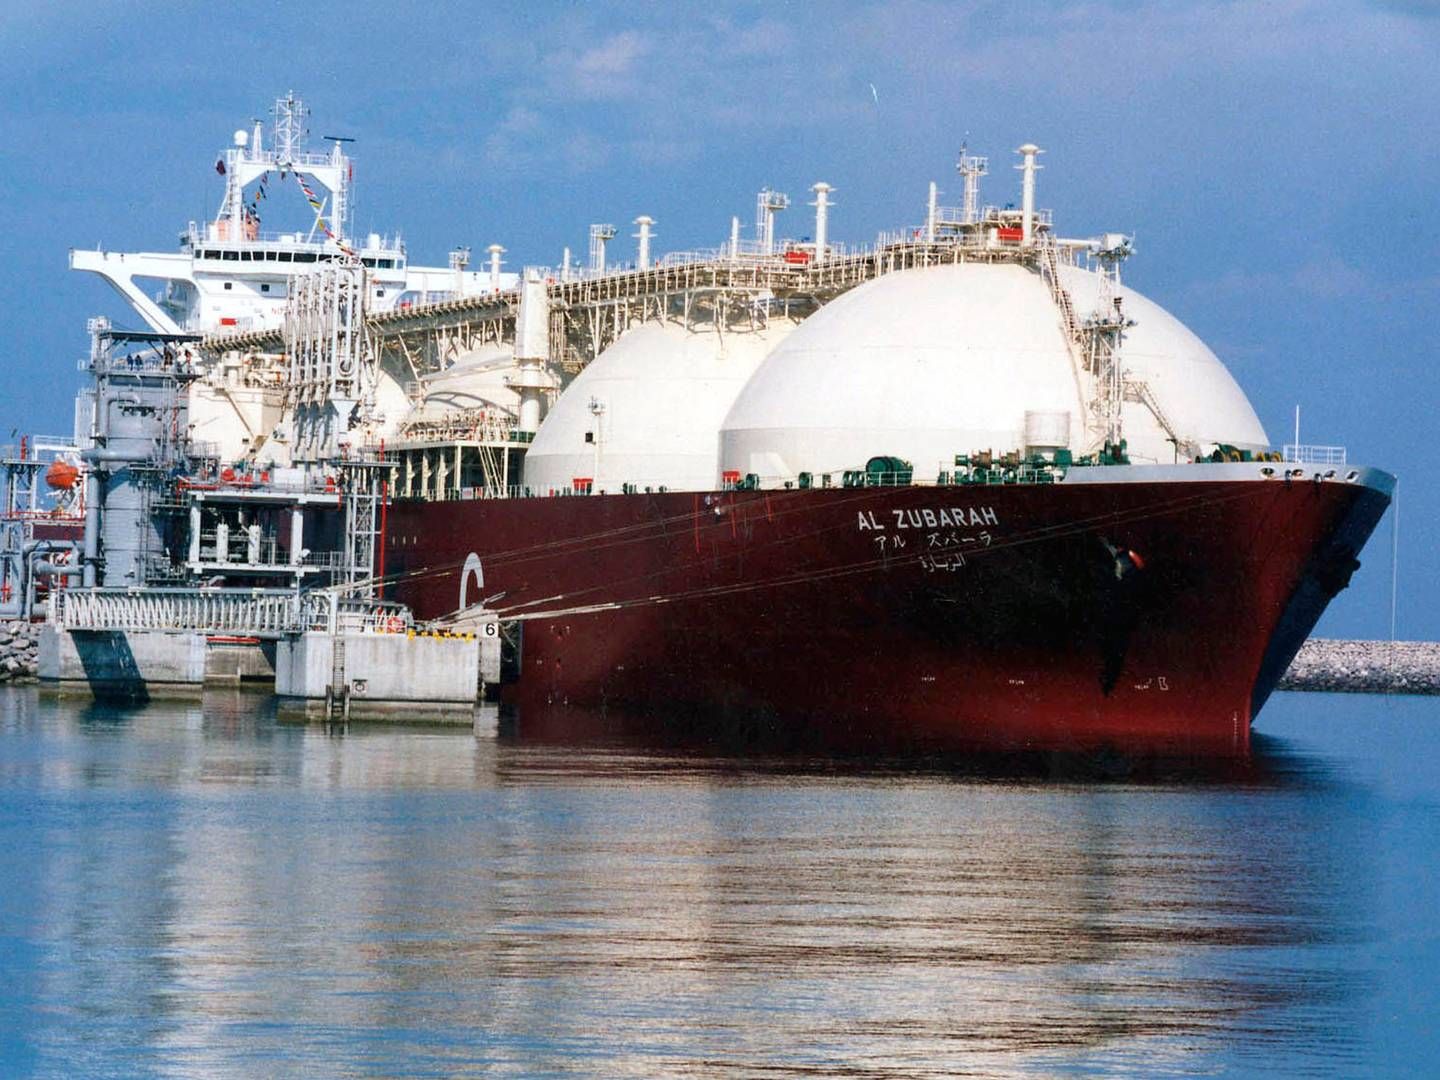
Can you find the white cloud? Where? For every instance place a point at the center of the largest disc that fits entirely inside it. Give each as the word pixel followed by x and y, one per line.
pixel 585 151
pixel 514 142
pixel 609 69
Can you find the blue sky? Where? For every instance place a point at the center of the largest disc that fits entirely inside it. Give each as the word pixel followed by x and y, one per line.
pixel 1276 162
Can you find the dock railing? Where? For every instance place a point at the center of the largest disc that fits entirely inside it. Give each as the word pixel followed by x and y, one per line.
pixel 238 612
pixel 258 613
pixel 330 612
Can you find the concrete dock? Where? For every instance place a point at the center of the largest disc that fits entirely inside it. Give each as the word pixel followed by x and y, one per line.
pixel 1323 665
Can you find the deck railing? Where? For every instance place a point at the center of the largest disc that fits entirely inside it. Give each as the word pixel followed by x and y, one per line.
pixel 1314 455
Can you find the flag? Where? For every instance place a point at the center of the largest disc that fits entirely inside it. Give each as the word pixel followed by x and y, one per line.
pixel 220 167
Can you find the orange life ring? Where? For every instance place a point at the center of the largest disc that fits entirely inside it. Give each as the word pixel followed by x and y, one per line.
pixel 395 625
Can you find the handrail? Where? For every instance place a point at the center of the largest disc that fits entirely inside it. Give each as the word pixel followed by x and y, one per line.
pixel 1307 454
pixel 261 613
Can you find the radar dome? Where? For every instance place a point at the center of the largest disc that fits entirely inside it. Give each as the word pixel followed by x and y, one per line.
pixel 647 410
pixel 924 364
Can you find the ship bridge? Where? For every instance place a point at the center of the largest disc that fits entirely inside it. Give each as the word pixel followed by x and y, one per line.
pixel 231 275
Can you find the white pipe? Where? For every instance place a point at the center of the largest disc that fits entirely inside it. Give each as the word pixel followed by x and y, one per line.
pixel 565 266
pixel 91 558
pixel 734 237
pixel 644 221
pixel 194 532
pixel 1027 191
pixel 822 214
pixel 297 536
pixel 532 347
pixel 495 251
pixel 529 418
pixel 930 215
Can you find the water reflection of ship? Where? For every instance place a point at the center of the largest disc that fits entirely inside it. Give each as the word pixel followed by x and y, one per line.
pixel 617 906
pixel 686 740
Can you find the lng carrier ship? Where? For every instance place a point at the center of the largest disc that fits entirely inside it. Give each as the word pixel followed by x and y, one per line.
pixel 963 487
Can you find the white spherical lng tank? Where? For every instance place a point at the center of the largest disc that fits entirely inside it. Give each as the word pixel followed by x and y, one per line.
pixel 647 410
pixel 924 364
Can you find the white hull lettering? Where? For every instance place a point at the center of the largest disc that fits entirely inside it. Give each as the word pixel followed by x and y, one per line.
pixel 867 520
pixel 929 517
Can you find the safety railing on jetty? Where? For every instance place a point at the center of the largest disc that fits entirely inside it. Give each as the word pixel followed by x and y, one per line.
pixel 260 613
pixel 332 612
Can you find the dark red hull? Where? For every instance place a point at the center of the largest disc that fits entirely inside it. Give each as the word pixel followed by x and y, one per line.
pixel 1136 615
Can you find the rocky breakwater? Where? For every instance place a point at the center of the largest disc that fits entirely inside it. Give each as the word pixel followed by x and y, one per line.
pixel 1366 667
pixel 19 643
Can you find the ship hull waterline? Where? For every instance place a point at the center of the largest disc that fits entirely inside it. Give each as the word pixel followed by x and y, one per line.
pixel 1144 617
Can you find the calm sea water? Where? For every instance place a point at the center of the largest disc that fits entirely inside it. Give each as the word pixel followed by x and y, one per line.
pixel 196 890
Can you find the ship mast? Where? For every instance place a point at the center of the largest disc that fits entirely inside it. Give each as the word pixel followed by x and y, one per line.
pixel 971 169
pixel 248 160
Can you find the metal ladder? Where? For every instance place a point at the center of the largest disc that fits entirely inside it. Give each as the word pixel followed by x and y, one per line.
pixel 1139 391
pixel 337 696
pixel 1051 267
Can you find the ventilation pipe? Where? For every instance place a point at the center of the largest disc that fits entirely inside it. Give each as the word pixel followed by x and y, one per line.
pixel 767 203
pixel 532 349
pixel 297 536
pixel 1027 169
pixel 459 260
pixel 734 237
pixel 90 560
pixel 565 265
pixel 930 215
pixel 599 235
pixel 495 251
pixel 822 214
pixel 643 258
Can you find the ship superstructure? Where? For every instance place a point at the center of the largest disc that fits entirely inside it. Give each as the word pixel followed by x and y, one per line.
pixel 231 273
